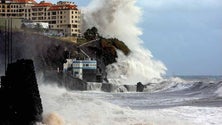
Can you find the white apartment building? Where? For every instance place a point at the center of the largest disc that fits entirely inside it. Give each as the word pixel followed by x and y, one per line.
pixel 64 16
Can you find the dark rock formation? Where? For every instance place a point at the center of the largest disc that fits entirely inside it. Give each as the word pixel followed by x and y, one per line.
pixel 140 87
pixel 19 95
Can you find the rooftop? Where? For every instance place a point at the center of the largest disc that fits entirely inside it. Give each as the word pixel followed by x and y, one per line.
pixel 63 7
pixel 43 4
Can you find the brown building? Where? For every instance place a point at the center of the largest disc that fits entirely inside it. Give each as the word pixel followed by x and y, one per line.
pixel 63 16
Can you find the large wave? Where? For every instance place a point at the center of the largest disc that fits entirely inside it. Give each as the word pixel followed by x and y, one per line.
pixel 119 18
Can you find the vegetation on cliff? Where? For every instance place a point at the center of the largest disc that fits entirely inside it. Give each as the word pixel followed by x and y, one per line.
pixel 111 43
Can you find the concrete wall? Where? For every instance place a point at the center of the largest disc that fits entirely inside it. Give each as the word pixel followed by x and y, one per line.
pixel 16 23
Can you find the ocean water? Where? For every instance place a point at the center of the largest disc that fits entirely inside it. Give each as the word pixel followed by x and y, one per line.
pixel 192 100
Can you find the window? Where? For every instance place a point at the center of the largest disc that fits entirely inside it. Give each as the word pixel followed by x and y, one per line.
pixel 74 26
pixel 60 17
pixel 53 13
pixel 53 22
pixel 60 21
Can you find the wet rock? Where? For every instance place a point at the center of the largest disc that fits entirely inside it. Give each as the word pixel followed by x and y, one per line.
pixel 140 87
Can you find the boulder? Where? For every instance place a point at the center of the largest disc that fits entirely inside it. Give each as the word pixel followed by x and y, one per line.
pixel 140 87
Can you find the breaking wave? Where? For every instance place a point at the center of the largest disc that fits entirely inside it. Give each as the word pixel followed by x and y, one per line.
pixel 62 107
pixel 119 18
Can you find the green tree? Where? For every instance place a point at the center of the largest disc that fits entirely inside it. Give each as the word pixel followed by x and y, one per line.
pixel 91 34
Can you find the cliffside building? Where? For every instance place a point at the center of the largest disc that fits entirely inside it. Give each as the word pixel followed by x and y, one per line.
pixel 83 69
pixel 63 17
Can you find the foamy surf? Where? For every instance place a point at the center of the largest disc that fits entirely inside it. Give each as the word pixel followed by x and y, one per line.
pixel 62 107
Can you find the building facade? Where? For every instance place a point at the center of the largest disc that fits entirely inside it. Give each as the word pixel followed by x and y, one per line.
pixel 83 69
pixel 63 17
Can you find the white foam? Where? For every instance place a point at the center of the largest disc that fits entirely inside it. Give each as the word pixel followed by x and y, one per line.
pixel 219 91
pixel 84 108
pixel 119 18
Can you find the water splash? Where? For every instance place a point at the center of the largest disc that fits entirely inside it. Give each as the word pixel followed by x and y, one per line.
pixel 119 18
pixel 62 107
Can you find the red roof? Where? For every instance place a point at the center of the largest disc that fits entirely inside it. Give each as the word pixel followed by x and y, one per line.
pixel 63 7
pixel 43 4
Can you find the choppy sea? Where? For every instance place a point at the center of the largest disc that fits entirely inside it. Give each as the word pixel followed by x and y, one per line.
pixel 181 100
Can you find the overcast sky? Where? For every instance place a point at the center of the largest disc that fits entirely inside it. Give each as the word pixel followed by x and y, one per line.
pixel 186 35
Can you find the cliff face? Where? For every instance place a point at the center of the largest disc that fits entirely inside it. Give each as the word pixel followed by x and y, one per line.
pixel 46 52
pixel 50 53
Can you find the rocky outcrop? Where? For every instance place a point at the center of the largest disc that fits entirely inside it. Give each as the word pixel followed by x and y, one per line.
pixel 19 95
pixel 140 87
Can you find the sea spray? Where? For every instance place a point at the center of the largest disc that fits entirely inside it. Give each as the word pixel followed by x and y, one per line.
pixel 62 107
pixel 119 18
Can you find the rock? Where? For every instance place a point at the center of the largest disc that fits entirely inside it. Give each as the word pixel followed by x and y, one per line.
pixel 140 87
